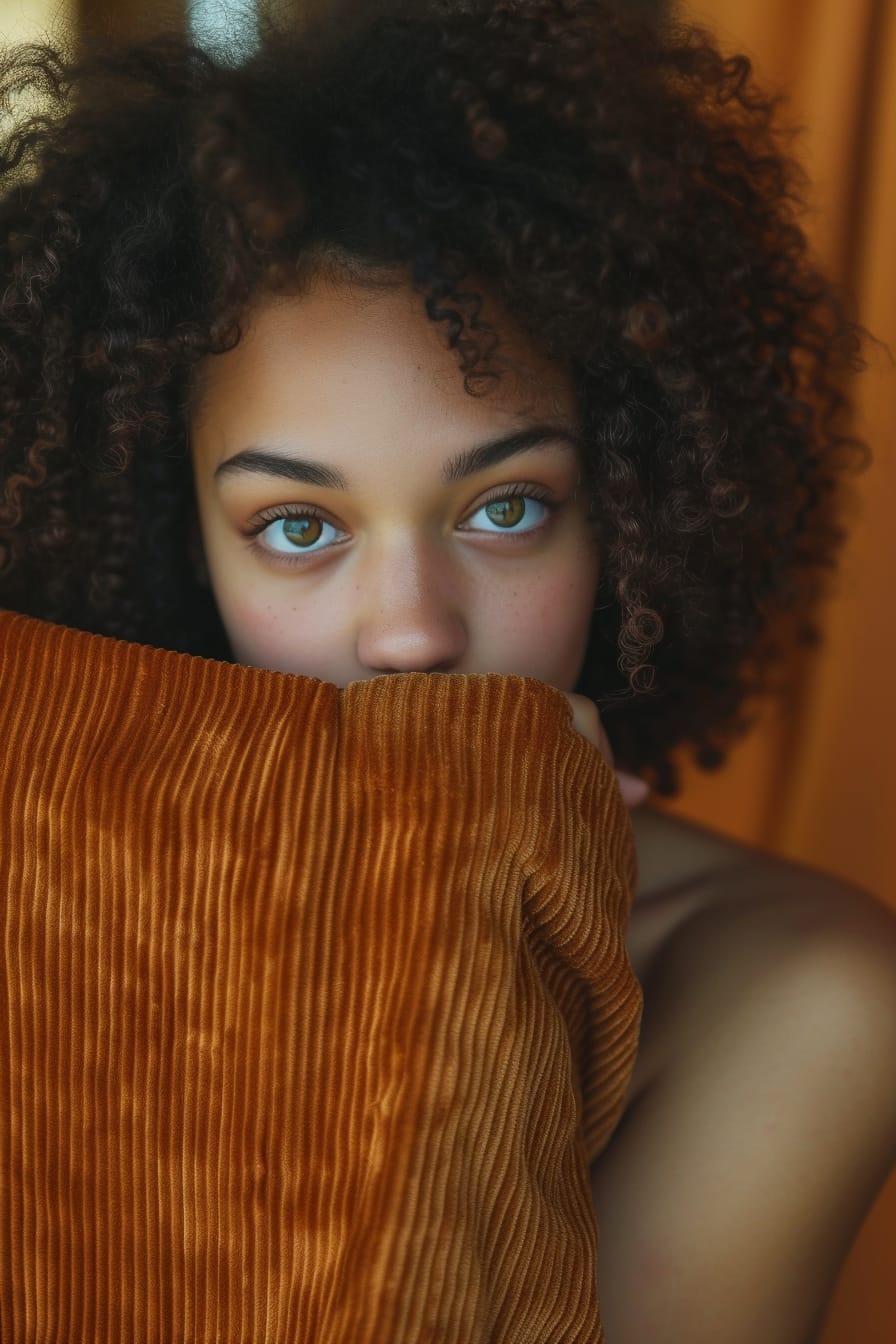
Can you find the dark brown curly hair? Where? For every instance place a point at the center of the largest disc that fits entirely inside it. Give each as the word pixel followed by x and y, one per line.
pixel 618 184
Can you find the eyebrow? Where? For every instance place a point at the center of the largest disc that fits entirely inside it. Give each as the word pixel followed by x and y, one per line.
pixel 468 463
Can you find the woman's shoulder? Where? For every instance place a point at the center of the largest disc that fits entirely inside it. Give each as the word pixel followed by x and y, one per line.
pixel 692 881
pixel 717 924
pixel 760 1121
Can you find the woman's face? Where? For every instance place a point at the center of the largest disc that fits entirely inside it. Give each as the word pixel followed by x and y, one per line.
pixel 361 514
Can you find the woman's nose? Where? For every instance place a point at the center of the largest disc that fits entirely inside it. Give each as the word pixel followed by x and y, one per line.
pixel 409 618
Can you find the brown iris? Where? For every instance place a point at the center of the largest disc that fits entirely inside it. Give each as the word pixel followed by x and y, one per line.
pixel 506 512
pixel 302 531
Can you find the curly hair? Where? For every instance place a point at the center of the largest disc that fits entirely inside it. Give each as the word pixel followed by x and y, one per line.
pixel 620 187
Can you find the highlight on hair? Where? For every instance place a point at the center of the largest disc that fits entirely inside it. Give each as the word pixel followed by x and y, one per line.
pixel 618 186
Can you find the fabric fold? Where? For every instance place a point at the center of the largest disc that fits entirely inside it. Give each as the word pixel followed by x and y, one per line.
pixel 316 1002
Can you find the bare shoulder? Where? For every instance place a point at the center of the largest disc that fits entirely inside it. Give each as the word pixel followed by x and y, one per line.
pixel 678 867
pixel 766 1060
pixel 670 850
pixel 697 885
pixel 716 922
pixel 713 921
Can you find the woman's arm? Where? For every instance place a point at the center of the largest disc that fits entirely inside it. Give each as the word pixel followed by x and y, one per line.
pixel 762 1119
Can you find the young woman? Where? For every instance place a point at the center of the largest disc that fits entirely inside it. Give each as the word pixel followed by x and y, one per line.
pixel 485 339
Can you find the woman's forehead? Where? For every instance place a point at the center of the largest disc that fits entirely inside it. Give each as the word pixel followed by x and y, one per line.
pixel 339 351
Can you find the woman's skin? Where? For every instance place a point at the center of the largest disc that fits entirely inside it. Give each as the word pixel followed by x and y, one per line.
pixel 458 593
pixel 407 573
pixel 761 1117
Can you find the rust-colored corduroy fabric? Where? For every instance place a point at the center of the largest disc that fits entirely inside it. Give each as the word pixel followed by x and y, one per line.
pixel 315 1002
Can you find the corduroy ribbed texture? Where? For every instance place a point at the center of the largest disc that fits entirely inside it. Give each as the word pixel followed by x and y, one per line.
pixel 314 1005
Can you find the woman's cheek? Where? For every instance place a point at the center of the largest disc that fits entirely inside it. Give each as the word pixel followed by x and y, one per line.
pixel 561 620
pixel 268 634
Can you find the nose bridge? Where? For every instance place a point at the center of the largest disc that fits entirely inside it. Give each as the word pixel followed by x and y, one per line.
pixel 410 615
pixel 394 555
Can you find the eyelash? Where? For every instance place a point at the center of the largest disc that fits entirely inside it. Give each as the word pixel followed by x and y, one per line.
pixel 272 515
pixel 528 492
pixel 536 492
pixel 282 511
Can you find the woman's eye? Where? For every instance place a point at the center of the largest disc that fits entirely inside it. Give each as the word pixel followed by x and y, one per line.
pixel 504 514
pixel 297 534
